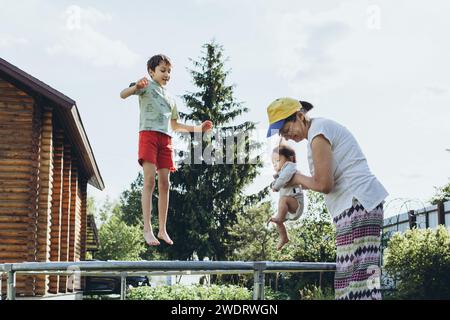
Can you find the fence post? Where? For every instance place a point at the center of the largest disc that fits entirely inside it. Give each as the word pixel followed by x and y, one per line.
pixel 123 286
pixel 259 280
pixel 441 213
pixel 412 219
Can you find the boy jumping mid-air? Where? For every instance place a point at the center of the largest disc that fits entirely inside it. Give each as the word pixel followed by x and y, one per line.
pixel 157 110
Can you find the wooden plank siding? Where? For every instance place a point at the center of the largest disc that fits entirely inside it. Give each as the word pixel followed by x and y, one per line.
pixel 16 179
pixel 56 225
pixel 77 244
pixel 83 214
pixel 65 218
pixel 44 197
pixel 72 216
pixel 43 190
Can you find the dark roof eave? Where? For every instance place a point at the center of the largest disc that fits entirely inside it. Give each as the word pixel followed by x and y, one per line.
pixel 35 84
pixel 95 179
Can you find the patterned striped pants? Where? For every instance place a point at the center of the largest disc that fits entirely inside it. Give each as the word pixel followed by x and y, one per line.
pixel 358 241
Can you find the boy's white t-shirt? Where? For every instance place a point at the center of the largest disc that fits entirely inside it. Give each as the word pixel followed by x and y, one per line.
pixel 351 173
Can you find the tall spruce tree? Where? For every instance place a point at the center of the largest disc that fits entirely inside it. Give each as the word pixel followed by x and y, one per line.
pixel 208 192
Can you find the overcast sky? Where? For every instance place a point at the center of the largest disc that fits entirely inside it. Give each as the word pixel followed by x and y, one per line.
pixel 381 68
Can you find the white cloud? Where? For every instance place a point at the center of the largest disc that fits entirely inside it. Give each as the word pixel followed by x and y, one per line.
pixel 80 39
pixel 427 110
pixel 89 15
pixel 304 43
pixel 7 41
pixel 429 92
pixel 303 47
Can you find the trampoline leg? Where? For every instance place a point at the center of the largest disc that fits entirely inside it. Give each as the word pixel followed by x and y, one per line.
pixel 11 290
pixel 123 286
pixel 259 279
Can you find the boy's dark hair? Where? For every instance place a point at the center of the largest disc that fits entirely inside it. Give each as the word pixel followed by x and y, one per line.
pixel 287 152
pixel 154 61
pixel 306 107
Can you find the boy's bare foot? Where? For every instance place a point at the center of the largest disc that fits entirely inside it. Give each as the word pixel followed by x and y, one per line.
pixel 150 239
pixel 165 237
pixel 281 243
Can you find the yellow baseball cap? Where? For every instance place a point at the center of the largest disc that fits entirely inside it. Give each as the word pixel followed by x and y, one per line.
pixel 278 111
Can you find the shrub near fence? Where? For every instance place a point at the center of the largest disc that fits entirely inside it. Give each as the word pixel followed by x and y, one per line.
pixel 198 292
pixel 419 262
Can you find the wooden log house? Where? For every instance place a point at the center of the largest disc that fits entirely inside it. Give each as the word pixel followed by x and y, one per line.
pixel 46 162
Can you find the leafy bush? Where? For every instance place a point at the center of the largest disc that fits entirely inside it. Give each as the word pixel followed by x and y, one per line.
pixel 270 294
pixel 442 194
pixel 193 292
pixel 313 292
pixel 419 262
pixel 199 292
pixel 119 241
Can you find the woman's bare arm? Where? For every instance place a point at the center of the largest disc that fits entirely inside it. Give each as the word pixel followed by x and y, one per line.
pixel 322 181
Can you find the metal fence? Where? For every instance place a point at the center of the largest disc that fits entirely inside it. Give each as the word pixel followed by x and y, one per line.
pixel 127 268
pixel 429 217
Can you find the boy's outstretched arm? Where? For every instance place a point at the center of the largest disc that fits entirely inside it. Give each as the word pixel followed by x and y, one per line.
pixel 180 127
pixel 140 84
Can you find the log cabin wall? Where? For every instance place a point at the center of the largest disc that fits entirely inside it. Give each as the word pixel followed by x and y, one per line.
pixel 33 196
pixel 17 178
pixel 83 214
pixel 83 226
pixel 56 225
pixel 43 198
pixel 73 208
pixel 78 221
pixel 72 217
pixel 65 218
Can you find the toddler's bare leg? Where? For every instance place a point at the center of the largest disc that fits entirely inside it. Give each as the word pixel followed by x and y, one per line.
pixel 283 235
pixel 285 205
pixel 163 204
pixel 146 200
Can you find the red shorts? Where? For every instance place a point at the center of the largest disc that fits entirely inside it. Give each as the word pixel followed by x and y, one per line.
pixel 156 147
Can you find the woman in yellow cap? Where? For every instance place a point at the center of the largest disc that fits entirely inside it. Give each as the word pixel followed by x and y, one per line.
pixel 353 195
